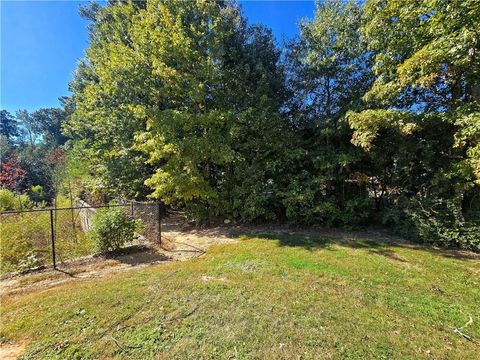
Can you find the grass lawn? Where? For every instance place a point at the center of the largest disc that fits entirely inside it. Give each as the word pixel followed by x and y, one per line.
pixel 282 297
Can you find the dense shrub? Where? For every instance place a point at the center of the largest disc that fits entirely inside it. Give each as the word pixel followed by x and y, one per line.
pixel 357 211
pixel 112 229
pixel 435 221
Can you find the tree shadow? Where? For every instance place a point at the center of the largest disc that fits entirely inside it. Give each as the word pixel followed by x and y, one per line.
pixel 378 242
pixel 138 255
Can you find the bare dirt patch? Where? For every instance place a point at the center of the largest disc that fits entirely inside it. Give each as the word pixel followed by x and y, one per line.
pixel 11 351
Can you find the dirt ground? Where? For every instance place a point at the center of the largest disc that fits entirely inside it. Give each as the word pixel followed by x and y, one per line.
pixel 11 351
pixel 180 241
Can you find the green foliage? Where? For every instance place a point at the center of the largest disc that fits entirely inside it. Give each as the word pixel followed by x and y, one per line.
pixel 7 200
pixel 328 74
pixel 26 237
pixel 194 95
pixel 48 123
pixel 467 137
pixel 435 221
pixel 375 107
pixel 8 127
pixel 421 129
pixel 11 201
pixel 112 229
pixel 37 194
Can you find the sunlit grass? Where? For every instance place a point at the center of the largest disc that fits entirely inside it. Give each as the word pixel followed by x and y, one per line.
pixel 284 297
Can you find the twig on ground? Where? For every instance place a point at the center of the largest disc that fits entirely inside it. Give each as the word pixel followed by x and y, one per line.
pixel 121 346
pixel 468 337
pixel 184 316
pixel 459 332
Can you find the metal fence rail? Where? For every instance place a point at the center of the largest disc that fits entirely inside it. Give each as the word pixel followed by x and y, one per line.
pixel 39 237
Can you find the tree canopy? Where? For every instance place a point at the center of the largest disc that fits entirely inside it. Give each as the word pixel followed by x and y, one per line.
pixel 371 115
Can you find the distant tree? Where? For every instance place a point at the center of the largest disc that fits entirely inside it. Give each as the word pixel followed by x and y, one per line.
pixel 48 123
pixel 12 174
pixel 28 129
pixel 5 148
pixel 8 126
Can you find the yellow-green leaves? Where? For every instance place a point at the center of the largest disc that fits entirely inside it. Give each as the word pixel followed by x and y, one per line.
pixel 468 136
pixel 368 123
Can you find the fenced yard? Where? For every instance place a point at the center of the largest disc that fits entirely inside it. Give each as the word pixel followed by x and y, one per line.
pixel 52 236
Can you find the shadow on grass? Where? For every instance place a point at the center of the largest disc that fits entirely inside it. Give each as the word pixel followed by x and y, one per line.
pixel 376 242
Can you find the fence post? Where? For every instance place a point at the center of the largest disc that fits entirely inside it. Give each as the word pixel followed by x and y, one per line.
pixel 131 208
pixel 159 224
pixel 52 234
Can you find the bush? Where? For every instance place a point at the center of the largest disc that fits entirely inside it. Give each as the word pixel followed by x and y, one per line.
pixel 112 229
pixel 23 202
pixel 357 211
pixel 10 201
pixel 7 200
pixel 37 194
pixel 435 221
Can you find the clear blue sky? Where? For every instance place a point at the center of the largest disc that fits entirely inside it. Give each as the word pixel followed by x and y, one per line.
pixel 41 42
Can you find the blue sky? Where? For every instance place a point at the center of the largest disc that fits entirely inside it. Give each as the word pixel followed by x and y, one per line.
pixel 41 42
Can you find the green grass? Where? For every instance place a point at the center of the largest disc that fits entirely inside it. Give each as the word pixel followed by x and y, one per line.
pixel 285 297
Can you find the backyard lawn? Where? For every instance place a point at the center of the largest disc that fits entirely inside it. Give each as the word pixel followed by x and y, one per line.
pixel 269 297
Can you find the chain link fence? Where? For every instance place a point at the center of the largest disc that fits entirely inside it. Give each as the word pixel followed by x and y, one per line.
pixel 38 238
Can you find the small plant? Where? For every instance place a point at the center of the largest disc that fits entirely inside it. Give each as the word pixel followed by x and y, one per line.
pixel 30 262
pixel 11 201
pixel 37 194
pixel 112 229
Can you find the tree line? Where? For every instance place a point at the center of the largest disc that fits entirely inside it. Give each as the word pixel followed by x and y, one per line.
pixel 371 115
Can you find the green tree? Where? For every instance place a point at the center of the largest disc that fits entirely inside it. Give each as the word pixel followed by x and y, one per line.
pixel 421 128
pixel 28 130
pixel 103 123
pixel 8 127
pixel 181 86
pixel 329 71
pixel 48 123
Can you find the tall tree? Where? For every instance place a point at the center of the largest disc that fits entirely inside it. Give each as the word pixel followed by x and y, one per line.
pixel 421 127
pixel 28 130
pixel 181 86
pixel 48 123
pixel 329 71
pixel 103 123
